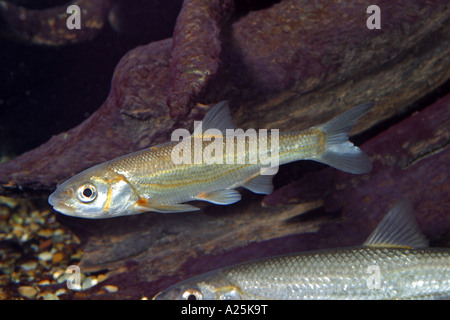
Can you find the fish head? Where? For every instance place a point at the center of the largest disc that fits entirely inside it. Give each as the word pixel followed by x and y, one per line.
pixel 94 193
pixel 210 286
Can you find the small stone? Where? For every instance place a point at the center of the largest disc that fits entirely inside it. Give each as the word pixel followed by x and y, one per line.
pixel 27 292
pixel 77 255
pixel 30 265
pixel 59 246
pixel 58 274
pixel 45 244
pixel 15 277
pixel 34 227
pixel 60 292
pixel 89 282
pixel 10 202
pixel 49 296
pixel 102 277
pixel 59 232
pixel 45 233
pixel 17 233
pixel 57 257
pixel 35 214
pixel 4 280
pixel 25 237
pixel 76 240
pixel 44 282
pixel 45 256
pixel 4 212
pixel 17 219
pixel 63 277
pixel 111 288
pixel 74 278
pixel 44 213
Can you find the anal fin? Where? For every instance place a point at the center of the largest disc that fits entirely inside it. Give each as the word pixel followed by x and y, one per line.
pixel 261 184
pixel 223 197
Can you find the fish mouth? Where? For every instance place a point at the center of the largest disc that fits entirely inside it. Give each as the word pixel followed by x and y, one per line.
pixel 59 205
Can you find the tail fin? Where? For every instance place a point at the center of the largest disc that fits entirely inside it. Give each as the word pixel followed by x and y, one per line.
pixel 339 152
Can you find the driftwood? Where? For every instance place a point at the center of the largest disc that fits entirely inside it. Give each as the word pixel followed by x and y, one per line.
pixel 48 26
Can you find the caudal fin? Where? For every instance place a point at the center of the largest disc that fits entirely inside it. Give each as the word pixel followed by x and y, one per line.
pixel 339 152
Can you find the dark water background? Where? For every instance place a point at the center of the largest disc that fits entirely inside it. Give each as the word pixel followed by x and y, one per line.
pixel 45 90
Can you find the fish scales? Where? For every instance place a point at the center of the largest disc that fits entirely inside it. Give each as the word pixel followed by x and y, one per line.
pixel 153 173
pixel 344 274
pixel 395 262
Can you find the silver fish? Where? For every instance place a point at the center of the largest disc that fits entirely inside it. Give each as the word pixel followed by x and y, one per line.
pixel 393 263
pixel 154 179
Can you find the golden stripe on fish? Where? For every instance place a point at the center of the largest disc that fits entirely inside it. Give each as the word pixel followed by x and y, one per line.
pixel 208 165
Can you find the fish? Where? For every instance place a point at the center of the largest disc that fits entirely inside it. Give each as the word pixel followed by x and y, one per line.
pixel 395 262
pixel 207 165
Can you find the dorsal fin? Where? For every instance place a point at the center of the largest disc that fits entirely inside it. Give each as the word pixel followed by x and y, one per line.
pixel 398 228
pixel 217 118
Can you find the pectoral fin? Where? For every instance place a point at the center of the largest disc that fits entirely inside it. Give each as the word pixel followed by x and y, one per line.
pixel 143 205
pixel 226 196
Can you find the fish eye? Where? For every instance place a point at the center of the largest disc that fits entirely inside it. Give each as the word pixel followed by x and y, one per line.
pixel 192 294
pixel 87 192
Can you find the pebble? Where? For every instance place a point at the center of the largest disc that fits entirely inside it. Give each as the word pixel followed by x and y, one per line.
pixel 60 292
pixel 44 282
pixel 45 233
pixel 63 277
pixel 58 274
pixel 102 277
pixel 57 257
pixel 17 218
pixel 58 232
pixel 45 244
pixel 10 202
pixel 48 296
pixel 27 292
pixel 30 265
pixel 111 288
pixel 45 256
pixel 89 282
pixel 41 255
pixel 34 226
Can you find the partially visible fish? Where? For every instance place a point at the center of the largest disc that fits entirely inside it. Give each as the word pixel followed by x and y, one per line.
pixel 155 179
pixel 393 263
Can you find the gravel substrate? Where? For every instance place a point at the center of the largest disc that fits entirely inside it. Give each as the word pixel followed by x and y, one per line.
pixel 36 252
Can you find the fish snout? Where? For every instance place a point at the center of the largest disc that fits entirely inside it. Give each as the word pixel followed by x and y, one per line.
pixel 58 200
